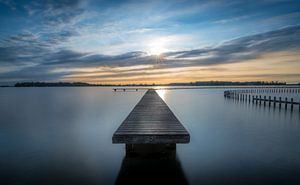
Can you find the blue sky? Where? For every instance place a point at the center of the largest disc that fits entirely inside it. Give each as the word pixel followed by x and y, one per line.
pixel 149 41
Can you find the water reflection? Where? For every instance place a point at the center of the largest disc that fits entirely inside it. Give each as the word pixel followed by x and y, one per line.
pixel 163 168
pixel 161 93
pixel 66 139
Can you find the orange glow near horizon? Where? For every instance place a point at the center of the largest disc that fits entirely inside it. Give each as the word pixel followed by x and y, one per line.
pixel 275 66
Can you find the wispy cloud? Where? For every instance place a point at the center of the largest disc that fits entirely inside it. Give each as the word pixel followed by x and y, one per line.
pixel 106 41
pixel 10 3
pixel 240 49
pixel 29 48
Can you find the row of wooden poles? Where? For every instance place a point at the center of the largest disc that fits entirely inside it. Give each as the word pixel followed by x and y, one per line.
pixel 241 95
pixel 270 90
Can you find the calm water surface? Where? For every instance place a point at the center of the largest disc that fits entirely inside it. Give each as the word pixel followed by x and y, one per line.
pixel 63 136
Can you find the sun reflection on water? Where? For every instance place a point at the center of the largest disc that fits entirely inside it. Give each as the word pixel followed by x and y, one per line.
pixel 161 93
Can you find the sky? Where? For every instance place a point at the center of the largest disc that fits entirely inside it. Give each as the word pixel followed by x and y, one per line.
pixel 125 42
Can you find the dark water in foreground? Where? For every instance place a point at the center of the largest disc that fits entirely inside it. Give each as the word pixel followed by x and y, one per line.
pixel 63 136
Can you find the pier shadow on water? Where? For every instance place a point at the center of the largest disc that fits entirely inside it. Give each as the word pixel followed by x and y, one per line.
pixel 154 164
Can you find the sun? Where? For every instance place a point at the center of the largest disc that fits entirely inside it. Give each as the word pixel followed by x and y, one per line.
pixel 156 50
pixel 157 47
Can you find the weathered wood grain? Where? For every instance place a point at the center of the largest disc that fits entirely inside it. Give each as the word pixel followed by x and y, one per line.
pixel 151 122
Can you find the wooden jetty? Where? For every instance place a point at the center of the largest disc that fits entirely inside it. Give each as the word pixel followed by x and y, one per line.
pixel 151 122
pixel 128 89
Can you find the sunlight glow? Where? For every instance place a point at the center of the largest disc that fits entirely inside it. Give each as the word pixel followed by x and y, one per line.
pixel 161 93
pixel 157 46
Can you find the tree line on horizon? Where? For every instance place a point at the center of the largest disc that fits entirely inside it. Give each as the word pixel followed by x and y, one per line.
pixel 197 83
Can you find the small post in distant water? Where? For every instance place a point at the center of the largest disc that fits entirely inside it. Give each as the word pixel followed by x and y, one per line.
pixel 279 102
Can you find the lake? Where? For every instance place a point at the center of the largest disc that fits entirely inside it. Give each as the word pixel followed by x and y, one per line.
pixel 63 135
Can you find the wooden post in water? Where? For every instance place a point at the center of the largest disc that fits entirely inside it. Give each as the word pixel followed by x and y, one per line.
pixel 274 101
pixel 264 101
pixel 292 104
pixel 259 99
pixel 269 101
pixel 285 105
pixel 279 102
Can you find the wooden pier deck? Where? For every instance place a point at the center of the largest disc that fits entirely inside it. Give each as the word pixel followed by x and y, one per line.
pixel 151 122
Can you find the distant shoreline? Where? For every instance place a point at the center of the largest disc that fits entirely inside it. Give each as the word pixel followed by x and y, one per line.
pixel 191 84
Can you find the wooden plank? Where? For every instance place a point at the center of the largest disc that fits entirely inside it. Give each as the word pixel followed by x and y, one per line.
pixel 151 122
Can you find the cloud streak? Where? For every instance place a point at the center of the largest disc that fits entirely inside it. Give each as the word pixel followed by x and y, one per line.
pixel 85 39
pixel 241 49
pixel 39 59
